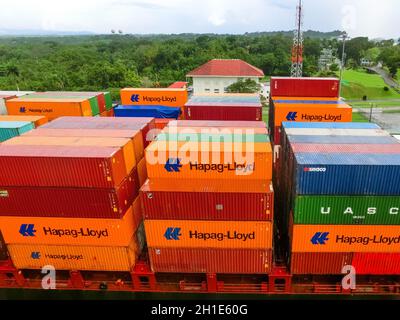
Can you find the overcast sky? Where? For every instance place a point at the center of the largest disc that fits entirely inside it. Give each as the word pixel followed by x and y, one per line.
pixel 359 17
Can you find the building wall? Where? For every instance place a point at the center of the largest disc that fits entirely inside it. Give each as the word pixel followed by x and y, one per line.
pixel 215 85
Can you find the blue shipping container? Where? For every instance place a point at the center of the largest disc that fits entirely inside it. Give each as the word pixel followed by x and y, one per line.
pixel 159 112
pixel 10 129
pixel 342 139
pixel 347 174
pixel 330 125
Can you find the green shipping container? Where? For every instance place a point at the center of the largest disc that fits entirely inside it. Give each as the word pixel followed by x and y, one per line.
pixel 193 137
pixel 10 129
pixel 347 210
pixel 109 103
pixel 94 104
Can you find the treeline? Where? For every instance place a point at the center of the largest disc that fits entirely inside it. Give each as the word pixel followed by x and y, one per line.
pixel 115 61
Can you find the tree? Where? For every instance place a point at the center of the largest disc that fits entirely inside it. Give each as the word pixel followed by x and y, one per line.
pixel 334 67
pixel 246 86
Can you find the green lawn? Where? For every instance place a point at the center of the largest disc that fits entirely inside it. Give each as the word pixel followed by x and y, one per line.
pixel 357 83
pixel 382 104
pixel 265 115
pixel 358 117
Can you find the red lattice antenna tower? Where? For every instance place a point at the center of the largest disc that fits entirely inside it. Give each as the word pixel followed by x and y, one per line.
pixel 297 50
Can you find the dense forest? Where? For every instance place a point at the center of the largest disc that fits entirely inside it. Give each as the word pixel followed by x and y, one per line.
pixel 109 62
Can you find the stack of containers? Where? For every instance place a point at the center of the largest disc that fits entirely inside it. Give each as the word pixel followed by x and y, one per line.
pixel 3 98
pixel 78 209
pixel 136 129
pixel 202 215
pixel 342 198
pixel 36 120
pixel 165 103
pixel 225 107
pixel 10 129
pixel 58 104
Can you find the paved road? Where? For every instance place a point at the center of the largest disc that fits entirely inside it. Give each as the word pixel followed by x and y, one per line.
pixel 388 121
pixel 386 77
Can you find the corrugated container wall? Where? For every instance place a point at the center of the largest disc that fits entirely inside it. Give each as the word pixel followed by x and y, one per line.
pixel 10 129
pixel 319 263
pixel 225 261
pixel 208 200
pixel 304 87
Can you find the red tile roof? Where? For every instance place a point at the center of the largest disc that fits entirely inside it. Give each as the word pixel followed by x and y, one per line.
pixel 226 68
pixel 178 85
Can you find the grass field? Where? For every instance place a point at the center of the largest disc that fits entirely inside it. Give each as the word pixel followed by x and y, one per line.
pixel 359 117
pixel 381 104
pixel 359 83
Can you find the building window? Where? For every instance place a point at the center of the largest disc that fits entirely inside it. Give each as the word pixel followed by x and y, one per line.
pixel 207 90
pixel 216 90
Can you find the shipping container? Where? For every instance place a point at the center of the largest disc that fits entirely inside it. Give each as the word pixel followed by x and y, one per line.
pixel 214 137
pixel 142 172
pixel 50 108
pixel 376 263
pixel 220 261
pixel 147 111
pixel 277 136
pixel 134 135
pixel 319 263
pixel 345 238
pixel 164 199
pixel 344 210
pixel 347 174
pixel 10 129
pixel 215 130
pixel 304 87
pixel 162 123
pixel 36 120
pixel 108 99
pixel 125 144
pixel 154 96
pixel 312 113
pixel 217 124
pixel 56 166
pixel 337 132
pixel 69 202
pixel 345 148
pixel 240 112
pixel 208 234
pixel 191 160
pixel 84 258
pixel 142 124
pixel 66 231
pixel 3 98
pixel 330 125
pixel 342 140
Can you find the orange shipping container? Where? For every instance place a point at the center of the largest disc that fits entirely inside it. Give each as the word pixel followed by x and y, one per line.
pixel 341 238
pixel 213 160
pixel 49 108
pixel 37 120
pixel 135 135
pixel 67 231
pixel 90 258
pixel 125 143
pixel 312 113
pixel 208 234
pixel 154 96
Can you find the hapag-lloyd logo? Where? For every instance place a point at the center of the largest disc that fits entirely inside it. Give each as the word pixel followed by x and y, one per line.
pixel 136 97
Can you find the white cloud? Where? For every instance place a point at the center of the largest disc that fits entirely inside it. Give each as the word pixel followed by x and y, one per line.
pixel 372 18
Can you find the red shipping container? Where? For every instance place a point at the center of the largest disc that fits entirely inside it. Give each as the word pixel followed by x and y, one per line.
pixel 243 112
pixel 223 261
pixel 105 123
pixel 345 148
pixel 217 124
pixel 377 263
pixel 162 123
pixel 277 136
pixel 207 200
pixel 304 87
pixel 319 263
pixel 56 166
pixel 69 202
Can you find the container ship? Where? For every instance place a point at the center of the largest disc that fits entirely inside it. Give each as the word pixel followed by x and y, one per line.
pixel 174 194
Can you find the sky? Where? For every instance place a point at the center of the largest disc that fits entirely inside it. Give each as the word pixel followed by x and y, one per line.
pixel 375 19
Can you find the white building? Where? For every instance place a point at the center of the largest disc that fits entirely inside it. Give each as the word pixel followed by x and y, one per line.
pixel 217 75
